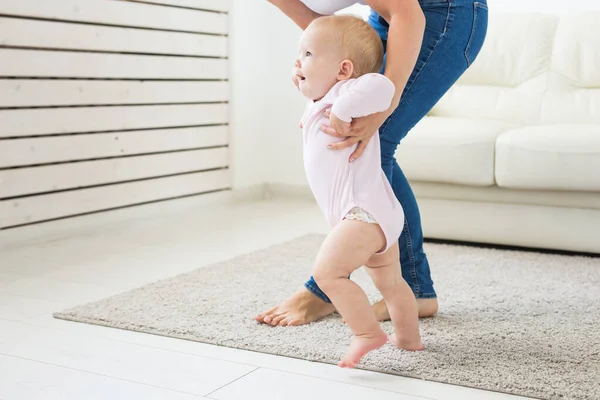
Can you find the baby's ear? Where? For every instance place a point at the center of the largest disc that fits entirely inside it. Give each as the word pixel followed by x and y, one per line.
pixel 346 70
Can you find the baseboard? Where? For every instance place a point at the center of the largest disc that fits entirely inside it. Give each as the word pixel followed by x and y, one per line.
pixel 84 224
pixel 250 193
pixel 512 247
pixel 273 191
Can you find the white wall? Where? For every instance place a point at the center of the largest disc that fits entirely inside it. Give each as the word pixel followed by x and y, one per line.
pixel 266 108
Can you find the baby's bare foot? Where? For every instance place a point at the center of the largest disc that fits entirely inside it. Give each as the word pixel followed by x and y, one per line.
pixel 360 346
pixel 413 344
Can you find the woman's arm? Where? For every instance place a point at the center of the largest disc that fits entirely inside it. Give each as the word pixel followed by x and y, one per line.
pixel 296 11
pixel 405 36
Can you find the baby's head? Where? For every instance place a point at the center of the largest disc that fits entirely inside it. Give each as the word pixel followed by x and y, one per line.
pixel 333 49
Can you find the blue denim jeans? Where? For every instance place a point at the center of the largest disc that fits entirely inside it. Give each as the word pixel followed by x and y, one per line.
pixel 454 33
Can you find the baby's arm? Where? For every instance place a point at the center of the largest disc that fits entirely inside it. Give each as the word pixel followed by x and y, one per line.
pixel 369 94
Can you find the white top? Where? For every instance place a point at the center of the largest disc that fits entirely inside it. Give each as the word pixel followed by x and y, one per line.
pixel 329 7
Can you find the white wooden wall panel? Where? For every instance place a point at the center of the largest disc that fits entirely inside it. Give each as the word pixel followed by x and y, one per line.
pixel 51 178
pixel 51 121
pixel 221 5
pixel 119 13
pixel 36 92
pixel 47 150
pixel 110 103
pixel 30 209
pixel 59 35
pixel 59 64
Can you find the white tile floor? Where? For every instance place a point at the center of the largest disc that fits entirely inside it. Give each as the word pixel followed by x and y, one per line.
pixel 42 358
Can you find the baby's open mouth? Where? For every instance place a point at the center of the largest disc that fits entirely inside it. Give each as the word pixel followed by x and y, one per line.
pixel 300 77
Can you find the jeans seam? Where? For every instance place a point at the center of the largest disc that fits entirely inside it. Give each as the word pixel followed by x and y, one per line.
pixel 447 20
pixel 409 87
pixel 472 34
pixel 411 256
pixel 387 121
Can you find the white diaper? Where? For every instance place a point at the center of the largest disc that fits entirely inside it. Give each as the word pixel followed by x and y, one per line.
pixel 358 214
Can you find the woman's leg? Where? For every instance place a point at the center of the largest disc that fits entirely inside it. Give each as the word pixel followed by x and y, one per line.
pixel 454 33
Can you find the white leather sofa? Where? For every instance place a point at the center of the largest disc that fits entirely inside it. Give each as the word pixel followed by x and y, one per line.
pixel 511 155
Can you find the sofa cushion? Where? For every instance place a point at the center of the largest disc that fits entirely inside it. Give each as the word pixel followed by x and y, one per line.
pixel 573 94
pixel 550 157
pixel 576 51
pixel 451 150
pixel 517 48
pixel 508 79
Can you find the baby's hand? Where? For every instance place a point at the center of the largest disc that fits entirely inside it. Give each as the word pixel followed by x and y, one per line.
pixel 341 127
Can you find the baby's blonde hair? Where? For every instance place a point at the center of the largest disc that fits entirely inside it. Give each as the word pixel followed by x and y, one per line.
pixel 360 43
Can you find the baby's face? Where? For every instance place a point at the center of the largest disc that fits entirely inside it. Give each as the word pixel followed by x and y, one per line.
pixel 318 64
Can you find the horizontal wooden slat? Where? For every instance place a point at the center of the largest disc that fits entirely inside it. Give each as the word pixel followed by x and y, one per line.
pixel 58 35
pixel 62 64
pixel 56 205
pixel 216 5
pixel 35 92
pixel 47 121
pixel 43 150
pixel 25 181
pixel 121 13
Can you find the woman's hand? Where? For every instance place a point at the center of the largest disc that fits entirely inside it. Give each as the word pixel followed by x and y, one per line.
pixel 361 131
pixel 339 126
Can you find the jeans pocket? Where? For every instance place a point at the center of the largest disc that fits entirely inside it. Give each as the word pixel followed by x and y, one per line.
pixel 478 32
pixel 427 2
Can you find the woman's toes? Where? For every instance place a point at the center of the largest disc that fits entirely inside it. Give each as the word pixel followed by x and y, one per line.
pixel 277 320
pixel 266 316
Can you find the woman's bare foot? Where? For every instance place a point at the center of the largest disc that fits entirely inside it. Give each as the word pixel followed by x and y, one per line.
pixel 410 345
pixel 427 308
pixel 300 309
pixel 360 346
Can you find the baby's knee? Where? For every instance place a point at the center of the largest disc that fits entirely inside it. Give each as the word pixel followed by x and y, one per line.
pixel 323 274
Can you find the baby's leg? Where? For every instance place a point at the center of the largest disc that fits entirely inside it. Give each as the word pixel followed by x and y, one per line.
pixel 385 271
pixel 349 246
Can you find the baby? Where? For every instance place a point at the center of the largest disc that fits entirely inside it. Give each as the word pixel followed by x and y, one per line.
pixel 337 69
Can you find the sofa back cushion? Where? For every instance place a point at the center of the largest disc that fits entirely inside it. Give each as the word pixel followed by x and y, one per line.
pixel 573 94
pixel 533 68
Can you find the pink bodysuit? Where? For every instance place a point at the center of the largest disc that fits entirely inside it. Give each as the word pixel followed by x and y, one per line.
pixel 338 185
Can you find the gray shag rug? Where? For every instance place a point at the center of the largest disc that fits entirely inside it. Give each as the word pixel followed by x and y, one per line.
pixel 510 321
